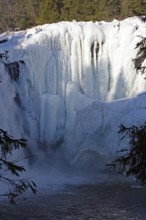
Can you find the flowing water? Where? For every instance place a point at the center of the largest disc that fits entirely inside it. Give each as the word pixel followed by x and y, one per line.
pixel 90 201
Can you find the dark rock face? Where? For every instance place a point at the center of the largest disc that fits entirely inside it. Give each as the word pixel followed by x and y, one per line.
pixel 141 55
pixel 3 41
pixel 13 70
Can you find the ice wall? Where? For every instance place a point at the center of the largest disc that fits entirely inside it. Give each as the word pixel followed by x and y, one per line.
pixel 62 84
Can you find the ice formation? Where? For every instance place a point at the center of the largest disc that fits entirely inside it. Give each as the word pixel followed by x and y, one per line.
pixel 69 85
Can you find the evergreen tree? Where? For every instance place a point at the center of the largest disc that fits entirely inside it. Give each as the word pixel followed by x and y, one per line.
pixel 132 162
pixel 125 8
pixel 138 7
pixel 113 8
pixel 28 13
pixel 9 167
pixel 51 11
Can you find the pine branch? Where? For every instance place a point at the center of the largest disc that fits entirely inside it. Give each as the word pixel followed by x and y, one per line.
pixel 15 186
pixel 132 162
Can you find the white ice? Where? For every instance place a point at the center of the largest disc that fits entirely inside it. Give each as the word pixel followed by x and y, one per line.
pixel 77 83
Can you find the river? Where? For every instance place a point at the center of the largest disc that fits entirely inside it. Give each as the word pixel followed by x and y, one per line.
pixel 80 202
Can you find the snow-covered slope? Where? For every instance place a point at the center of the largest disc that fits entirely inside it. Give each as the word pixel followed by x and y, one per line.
pixel 69 85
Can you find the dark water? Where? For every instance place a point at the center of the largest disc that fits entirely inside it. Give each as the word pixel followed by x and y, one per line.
pixel 100 201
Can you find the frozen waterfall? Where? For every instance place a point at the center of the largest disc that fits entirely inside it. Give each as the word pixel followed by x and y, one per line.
pixel 69 85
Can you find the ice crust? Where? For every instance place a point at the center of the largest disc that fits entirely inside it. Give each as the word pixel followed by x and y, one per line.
pixel 77 83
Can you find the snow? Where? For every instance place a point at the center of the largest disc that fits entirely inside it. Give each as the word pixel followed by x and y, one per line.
pixel 77 83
